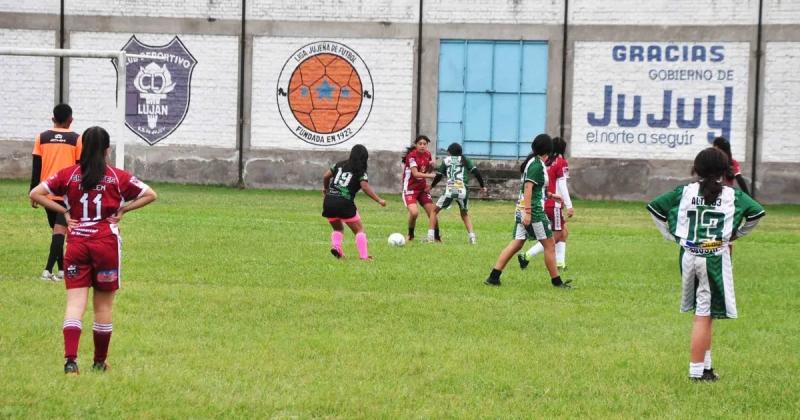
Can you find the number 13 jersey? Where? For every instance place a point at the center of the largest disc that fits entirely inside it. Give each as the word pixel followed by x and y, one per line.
pixel 702 228
pixel 93 208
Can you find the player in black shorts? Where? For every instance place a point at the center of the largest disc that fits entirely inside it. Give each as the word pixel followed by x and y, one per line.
pixel 340 184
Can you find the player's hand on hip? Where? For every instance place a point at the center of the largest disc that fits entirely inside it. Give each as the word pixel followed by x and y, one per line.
pixel 115 218
pixel 71 223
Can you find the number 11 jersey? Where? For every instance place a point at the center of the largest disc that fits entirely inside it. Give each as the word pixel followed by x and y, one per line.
pixel 93 208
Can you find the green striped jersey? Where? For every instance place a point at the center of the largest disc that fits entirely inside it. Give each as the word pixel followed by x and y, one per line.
pixel 705 228
pixel 534 172
pixel 456 171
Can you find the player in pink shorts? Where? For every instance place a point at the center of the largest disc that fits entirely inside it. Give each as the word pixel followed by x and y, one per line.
pixel 417 169
pixel 340 184
pixel 95 194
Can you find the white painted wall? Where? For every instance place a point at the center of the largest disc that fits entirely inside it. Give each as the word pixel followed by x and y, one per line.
pixel 219 9
pixel 335 10
pixel 779 140
pixel 663 12
pixel 390 62
pixel 596 68
pixel 494 11
pixel 211 118
pixel 52 7
pixel 29 85
pixel 781 12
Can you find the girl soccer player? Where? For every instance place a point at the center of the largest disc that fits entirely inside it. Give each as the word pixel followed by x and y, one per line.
pixel 417 165
pixel 340 184
pixel 530 220
pixel 734 172
pixel 704 217
pixel 457 169
pixel 557 174
pixel 94 193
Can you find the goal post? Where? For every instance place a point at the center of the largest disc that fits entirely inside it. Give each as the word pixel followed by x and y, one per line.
pixel 120 56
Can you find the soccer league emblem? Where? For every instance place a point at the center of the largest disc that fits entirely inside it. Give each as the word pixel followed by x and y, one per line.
pixel 158 90
pixel 325 93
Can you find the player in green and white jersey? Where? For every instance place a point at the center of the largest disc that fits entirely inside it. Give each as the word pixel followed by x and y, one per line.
pixel 530 219
pixel 703 218
pixel 456 168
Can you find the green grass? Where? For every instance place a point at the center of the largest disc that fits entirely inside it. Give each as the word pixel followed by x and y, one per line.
pixel 232 306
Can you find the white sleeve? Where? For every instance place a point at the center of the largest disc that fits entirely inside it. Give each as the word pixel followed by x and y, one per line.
pixel 746 227
pixel 563 191
pixel 663 227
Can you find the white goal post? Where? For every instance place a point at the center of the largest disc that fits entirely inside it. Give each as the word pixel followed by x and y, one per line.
pixel 120 56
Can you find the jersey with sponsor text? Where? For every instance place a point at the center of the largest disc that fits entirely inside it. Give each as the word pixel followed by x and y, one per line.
pixel 702 228
pixel 345 183
pixel 456 169
pixel 59 148
pixel 422 162
pixel 559 168
pixel 91 209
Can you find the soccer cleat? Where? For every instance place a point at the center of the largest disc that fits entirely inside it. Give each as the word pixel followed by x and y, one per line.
pixel 523 262
pixel 71 367
pixel 491 282
pixel 47 275
pixel 564 285
pixel 708 376
pixel 473 241
pixel 59 276
pixel 337 253
pixel 100 366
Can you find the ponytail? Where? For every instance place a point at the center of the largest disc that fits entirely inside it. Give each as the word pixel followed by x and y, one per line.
pixel 93 156
pixel 710 165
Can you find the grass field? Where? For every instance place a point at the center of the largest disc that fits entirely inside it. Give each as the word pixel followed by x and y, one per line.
pixel 232 306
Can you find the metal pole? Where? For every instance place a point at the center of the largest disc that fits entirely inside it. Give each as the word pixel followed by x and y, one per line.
pixel 756 111
pixel 121 100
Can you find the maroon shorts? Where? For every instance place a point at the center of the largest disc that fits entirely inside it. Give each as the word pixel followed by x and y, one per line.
pixel 414 197
pixel 556 216
pixel 93 263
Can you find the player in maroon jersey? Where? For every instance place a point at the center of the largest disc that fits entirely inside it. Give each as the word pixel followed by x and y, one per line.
pixel 557 173
pixel 734 172
pixel 417 170
pixel 97 197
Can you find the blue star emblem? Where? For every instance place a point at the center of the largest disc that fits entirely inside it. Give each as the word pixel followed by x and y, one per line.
pixel 345 92
pixel 304 91
pixel 325 90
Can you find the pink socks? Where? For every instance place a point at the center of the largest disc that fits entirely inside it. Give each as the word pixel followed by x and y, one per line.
pixel 336 240
pixel 361 244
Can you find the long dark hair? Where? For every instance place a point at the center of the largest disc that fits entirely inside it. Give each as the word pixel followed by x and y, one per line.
pixel 93 156
pixel 710 165
pixel 559 148
pixel 414 146
pixel 454 149
pixel 541 145
pixel 357 162
pixel 723 144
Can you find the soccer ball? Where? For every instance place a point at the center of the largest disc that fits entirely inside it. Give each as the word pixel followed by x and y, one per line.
pixel 325 93
pixel 397 239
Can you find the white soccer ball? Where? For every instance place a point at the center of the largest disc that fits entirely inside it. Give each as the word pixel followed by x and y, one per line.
pixel 397 239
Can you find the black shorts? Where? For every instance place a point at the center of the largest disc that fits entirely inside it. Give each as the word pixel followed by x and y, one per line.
pixel 56 217
pixel 338 207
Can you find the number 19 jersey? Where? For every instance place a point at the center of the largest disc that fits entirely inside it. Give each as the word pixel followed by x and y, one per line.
pixel 93 208
pixel 701 228
pixel 345 183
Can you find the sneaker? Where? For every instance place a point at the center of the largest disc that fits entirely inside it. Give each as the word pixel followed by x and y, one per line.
pixel 47 275
pixel 491 282
pixel 71 367
pixel 564 284
pixel 59 276
pixel 523 262
pixel 337 253
pixel 708 376
pixel 429 240
pixel 473 241
pixel 100 366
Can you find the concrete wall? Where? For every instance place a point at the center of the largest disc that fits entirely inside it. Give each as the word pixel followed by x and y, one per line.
pixel 383 36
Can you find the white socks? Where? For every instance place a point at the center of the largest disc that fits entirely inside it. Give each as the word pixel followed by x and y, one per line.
pixel 535 250
pixel 431 234
pixel 561 254
pixel 695 370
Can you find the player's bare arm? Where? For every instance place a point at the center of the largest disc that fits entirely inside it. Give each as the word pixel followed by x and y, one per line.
pixel 371 194
pixel 147 197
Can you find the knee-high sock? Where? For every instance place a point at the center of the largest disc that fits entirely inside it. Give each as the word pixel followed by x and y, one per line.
pixel 56 252
pixel 72 336
pixel 361 245
pixel 336 239
pixel 102 338
pixel 535 250
pixel 561 253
